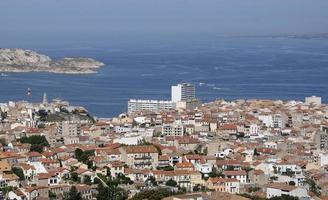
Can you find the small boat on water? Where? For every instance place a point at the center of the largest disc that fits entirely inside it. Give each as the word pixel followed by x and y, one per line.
pixel 3 74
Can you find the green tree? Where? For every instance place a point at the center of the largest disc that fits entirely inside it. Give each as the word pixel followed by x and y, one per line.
pixel 253 189
pixel 78 153
pixel 3 141
pixel 122 179
pixel 292 183
pixel 255 152
pixel 230 168
pixel 166 168
pixel 111 192
pixel 38 142
pixel 289 172
pixel 252 197
pixel 83 156
pixel 198 188
pixel 313 186
pixel 52 195
pixel 19 172
pixel 108 173
pixel 247 169
pixel 151 181
pixel 75 177
pixel 6 190
pixel 171 183
pixel 215 173
pixel 87 180
pixel 154 194
pixel 73 194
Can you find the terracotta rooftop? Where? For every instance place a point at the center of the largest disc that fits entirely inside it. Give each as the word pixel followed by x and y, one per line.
pixel 222 180
pixel 184 165
pixel 235 173
pixel 141 149
pixel 228 127
pixel 281 186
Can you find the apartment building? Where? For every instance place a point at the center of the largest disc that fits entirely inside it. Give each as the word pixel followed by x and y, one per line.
pixel 140 157
pixel 135 105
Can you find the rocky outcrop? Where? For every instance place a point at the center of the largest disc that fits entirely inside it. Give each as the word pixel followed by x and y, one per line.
pixel 20 60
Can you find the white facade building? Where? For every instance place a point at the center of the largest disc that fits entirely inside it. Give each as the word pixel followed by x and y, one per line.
pixel 134 140
pixel 266 119
pixel 271 145
pixel 149 105
pixel 279 189
pixel 313 100
pixel 254 129
pixel 174 129
pixel 277 121
pixel 204 168
pixel 126 128
pixel 323 159
pixel 183 92
pixel 241 175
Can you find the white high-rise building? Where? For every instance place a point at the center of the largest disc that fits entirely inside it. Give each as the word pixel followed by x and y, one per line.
pixel 45 99
pixel 183 92
pixel 149 105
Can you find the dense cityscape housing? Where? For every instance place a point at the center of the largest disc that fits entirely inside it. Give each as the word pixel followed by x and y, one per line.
pixel 238 149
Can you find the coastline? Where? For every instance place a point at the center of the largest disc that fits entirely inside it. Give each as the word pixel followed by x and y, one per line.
pixel 49 71
pixel 22 60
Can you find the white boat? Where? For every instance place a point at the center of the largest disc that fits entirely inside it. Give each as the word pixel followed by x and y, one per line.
pixel 3 74
pixel 217 88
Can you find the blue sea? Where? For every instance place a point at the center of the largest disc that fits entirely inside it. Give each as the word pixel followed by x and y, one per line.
pixel 220 67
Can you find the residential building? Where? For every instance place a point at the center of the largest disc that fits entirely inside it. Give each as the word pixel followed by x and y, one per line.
pixel 230 185
pixel 174 129
pixel 280 189
pixel 149 105
pixel 140 157
pixel 182 92
pixel 313 100
pixel 240 175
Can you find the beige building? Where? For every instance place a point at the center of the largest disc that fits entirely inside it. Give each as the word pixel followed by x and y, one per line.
pixel 230 185
pixel 257 177
pixel 69 129
pixel 140 157
pixel 184 178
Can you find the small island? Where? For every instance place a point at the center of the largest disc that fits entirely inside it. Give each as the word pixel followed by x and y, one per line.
pixel 21 60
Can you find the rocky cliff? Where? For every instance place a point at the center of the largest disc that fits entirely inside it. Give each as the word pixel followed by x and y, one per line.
pixel 20 60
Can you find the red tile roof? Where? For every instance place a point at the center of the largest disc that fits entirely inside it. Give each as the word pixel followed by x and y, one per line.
pixel 222 180
pixel 141 149
pixel 235 173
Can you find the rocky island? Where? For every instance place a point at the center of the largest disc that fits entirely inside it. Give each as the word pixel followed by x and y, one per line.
pixel 21 60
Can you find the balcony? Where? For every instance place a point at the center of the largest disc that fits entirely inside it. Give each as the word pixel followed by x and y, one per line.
pixel 143 158
pixel 142 163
